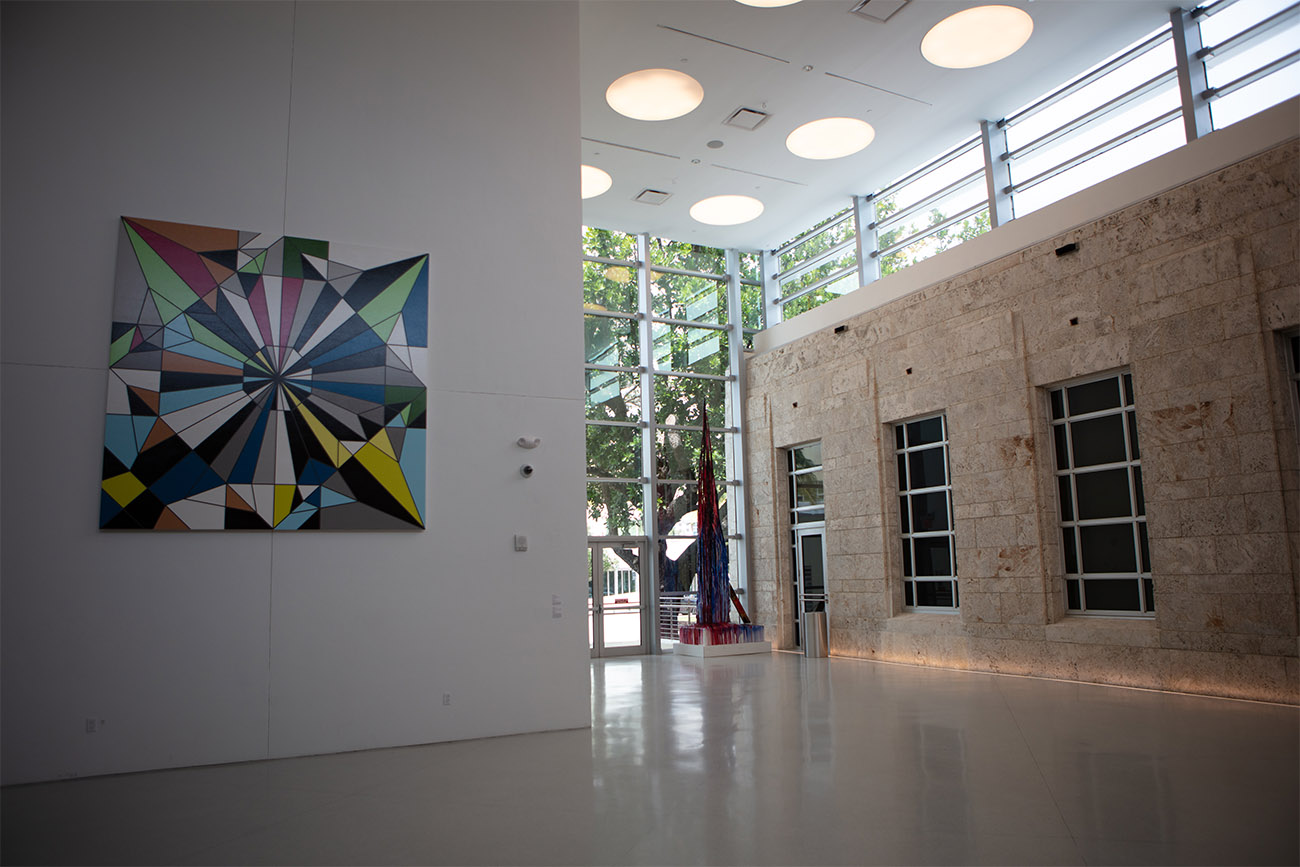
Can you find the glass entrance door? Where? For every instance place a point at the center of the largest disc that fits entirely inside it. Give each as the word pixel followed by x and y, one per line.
pixel 810 574
pixel 618 601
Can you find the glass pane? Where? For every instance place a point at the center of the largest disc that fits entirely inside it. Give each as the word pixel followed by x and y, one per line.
pixel 818 297
pixel 1108 548
pixel 930 512
pixel 964 163
pixel 926 468
pixel 923 248
pixel 814 572
pixel 751 265
pixel 613 452
pixel 927 430
pixel 694 299
pixel 1062 449
pixel 818 243
pixel 1094 396
pixel 1137 491
pixel 1144 547
pixel 690 350
pixel 907 558
pixel 1111 594
pixel 810 516
pixel 1072 595
pixel 751 306
pixel 677 566
pixel 1103 494
pixel 591 633
pixel 687 257
pixel 612 342
pixel 898 437
pixel 609 287
pixel 613 396
pixel 677 454
pixel 677 505
pixel 1149 590
pixel 678 400
pixel 1098 440
pixel 1128 389
pixel 934 594
pixel 608 244
pixel 1067 503
pixel 903 514
pixel 809 490
pixel 902 472
pixel 907 594
pixel 807 456
pixel 1148 146
pixel 1134 453
pixel 614 509
pixel 1070 551
pixel 933 556
pixel 1058 404
pixel 845 264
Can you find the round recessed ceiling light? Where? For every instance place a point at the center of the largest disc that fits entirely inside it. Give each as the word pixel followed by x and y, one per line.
pixel 975 37
pixel 654 94
pixel 830 138
pixel 726 210
pixel 594 181
pixel 768 4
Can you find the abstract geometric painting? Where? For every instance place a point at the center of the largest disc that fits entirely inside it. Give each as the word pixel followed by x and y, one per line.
pixel 263 383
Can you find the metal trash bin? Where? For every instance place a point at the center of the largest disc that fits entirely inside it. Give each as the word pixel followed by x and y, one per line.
pixel 814 634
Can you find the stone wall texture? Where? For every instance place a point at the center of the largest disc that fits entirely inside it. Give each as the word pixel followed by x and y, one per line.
pixel 1192 291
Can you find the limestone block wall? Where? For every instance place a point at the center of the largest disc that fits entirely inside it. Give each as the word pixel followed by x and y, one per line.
pixel 1192 291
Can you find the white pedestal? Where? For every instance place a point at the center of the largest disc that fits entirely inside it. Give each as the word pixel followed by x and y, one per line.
pixel 707 650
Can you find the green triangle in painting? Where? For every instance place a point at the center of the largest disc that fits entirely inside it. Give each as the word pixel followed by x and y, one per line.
pixel 255 266
pixel 166 309
pixel 120 347
pixel 385 329
pixel 160 276
pixel 390 302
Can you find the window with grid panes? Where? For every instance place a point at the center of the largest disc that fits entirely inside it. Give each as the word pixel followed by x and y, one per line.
pixel 1099 482
pixel 807 486
pixel 925 515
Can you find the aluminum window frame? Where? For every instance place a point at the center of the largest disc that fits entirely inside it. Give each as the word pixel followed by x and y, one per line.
pixel 1067 478
pixel 907 532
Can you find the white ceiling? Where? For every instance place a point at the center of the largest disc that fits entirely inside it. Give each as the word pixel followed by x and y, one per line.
pixel 917 109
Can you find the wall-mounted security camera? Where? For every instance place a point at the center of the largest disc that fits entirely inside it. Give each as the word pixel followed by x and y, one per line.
pixel 526 471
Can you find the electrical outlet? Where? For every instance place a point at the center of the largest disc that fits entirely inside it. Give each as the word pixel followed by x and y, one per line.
pixel 446 698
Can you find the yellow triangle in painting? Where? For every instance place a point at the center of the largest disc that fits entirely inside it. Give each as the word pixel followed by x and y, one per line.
pixel 283 502
pixel 383 443
pixel 388 473
pixel 124 488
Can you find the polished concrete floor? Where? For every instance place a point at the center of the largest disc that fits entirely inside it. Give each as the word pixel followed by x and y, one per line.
pixel 771 759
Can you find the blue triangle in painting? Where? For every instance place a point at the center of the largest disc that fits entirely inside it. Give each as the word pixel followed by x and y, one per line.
pixel 330 497
pixel 314 473
pixel 142 424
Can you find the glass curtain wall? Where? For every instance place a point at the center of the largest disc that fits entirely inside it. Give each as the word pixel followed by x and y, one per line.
pixel 1238 57
pixel 664 322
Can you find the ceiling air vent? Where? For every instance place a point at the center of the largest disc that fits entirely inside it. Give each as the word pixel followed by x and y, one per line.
pixel 878 10
pixel 652 197
pixel 746 118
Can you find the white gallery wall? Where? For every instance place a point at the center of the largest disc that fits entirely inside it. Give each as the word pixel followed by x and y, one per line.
pixel 440 127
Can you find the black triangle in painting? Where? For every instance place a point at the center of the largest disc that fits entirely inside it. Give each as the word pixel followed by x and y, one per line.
pixel 309 271
pixel 224 258
pixel 248 281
